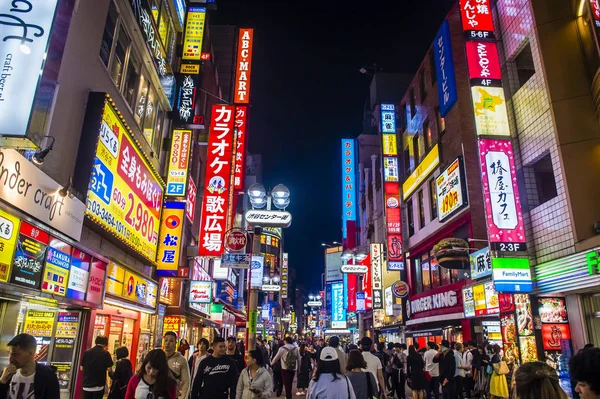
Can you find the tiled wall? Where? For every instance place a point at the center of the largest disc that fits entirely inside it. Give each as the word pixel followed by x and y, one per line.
pixel 548 226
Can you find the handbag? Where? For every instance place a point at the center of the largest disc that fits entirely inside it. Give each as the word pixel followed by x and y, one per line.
pixel 503 368
pixel 428 376
pixel 370 394
pixel 489 369
pixel 348 387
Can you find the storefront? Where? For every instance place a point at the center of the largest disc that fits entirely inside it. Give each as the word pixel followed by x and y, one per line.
pixel 128 317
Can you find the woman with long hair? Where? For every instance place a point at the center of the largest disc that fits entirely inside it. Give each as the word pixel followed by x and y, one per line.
pixel 153 380
pixel 498 384
pixel 255 380
pixel 121 374
pixel 415 366
pixel 537 380
pixel 305 369
pixel 184 346
pixel 329 382
pixel 363 382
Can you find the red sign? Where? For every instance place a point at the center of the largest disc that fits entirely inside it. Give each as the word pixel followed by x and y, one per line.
pixel 96 282
pixel 367 287
pixel 394 221
pixel 190 205
pixel 216 186
pixel 553 333
pixel 483 60
pixel 205 56
pixel 243 66
pixel 235 240
pixel 241 113
pixel 595 11
pixel 198 120
pixel 476 15
pixel 443 300
pixel 35 233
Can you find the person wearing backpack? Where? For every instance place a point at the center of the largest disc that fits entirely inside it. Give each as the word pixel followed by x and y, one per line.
pixel 289 357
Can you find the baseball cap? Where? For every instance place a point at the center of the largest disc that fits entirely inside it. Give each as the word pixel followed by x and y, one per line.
pixel 328 353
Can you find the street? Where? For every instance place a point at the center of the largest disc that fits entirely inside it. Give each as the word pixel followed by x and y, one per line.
pixel 294 390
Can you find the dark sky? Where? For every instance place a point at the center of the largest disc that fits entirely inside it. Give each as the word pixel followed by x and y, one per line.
pixel 307 94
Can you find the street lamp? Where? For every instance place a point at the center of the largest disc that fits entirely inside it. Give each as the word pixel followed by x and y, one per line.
pixel 333 244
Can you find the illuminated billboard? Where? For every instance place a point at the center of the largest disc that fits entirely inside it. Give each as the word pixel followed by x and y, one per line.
pixel 348 184
pixel 193 34
pixel 489 108
pixel 477 18
pixel 451 188
pixel 338 312
pixel 444 69
pixel 241 117
pixel 169 245
pixel 178 162
pixel 243 66
pixel 388 118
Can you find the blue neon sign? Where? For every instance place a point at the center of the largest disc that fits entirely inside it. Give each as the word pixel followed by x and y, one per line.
pixel 388 118
pixel 338 313
pixel 444 69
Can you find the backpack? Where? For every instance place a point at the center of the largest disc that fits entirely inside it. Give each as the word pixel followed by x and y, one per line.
pixel 291 359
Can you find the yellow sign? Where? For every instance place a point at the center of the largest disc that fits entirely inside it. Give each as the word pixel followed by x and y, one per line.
pixel 114 279
pixel 125 194
pixel 171 323
pixel 390 146
pixel 178 163
pixel 194 33
pixel 427 165
pixel 479 297
pixel 9 232
pixel 169 247
pixel 489 106
pixel 39 323
pixel 190 69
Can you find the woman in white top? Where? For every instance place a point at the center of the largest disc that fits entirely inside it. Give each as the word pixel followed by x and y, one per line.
pixel 153 380
pixel 255 381
pixel 328 382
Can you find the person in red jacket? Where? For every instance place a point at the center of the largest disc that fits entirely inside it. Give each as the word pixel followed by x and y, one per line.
pixel 153 380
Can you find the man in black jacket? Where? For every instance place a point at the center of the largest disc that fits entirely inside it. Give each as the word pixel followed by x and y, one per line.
pixel 95 363
pixel 447 369
pixel 217 375
pixel 23 377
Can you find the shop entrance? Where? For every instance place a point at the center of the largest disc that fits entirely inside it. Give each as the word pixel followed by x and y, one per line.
pixel 591 306
pixel 119 331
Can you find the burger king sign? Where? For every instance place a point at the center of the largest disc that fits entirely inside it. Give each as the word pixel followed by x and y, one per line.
pixel 400 289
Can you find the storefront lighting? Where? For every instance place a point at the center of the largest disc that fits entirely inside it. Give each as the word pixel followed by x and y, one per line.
pixel 66 190
pixel 361 255
pixel 39 157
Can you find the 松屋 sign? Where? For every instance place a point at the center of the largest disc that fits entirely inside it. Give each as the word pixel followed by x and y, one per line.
pixel 25 28
pixel 178 162
pixel 243 66
pixel 216 190
pixel 506 228
pixel 169 245
pixel 348 184
pixel 451 190
pixel 200 292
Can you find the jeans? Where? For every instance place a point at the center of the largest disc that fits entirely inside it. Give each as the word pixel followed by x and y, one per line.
pixel 448 390
pixel 433 388
pixel 288 379
pixel 93 394
pixel 458 387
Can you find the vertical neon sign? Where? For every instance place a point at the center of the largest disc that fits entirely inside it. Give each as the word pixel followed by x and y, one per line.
pixel 348 184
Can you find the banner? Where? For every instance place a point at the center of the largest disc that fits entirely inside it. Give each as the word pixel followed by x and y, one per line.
pixel 444 69
pixel 29 257
pixel 58 263
pixel 451 190
pixel 171 231
pixel 178 162
pixel 193 34
pixel 241 116
pixel 9 232
pixel 243 66
pixel 348 183
pixel 257 271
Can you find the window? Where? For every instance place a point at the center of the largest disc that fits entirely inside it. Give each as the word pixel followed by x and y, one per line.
pixel 441 123
pixel 120 56
pixel 416 151
pixel 132 79
pixel 413 110
pixel 426 275
pixel 427 136
pixel 417 277
pixel 429 275
pixel 435 273
pixel 540 181
pixel 422 86
pixel 524 66
pixel 162 20
pixel 433 198
pixel 432 68
pixel 421 210
pixel 410 217
pixel 109 33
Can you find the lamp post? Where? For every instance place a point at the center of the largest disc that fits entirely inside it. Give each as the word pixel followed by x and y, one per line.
pixel 314 302
pixel 259 199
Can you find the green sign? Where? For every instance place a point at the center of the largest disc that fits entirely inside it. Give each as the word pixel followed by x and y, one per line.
pixel 253 317
pixel 593 262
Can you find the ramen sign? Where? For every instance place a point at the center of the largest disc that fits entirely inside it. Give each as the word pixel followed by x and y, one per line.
pixel 235 240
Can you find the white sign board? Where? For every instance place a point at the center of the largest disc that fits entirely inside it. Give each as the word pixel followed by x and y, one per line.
pixel 26 187
pixel 333 265
pixel 451 193
pixel 269 218
pixel 256 271
pixel 270 287
pixel 25 28
pixel 355 269
pixel 376 269
pixel 200 292
pixel 389 301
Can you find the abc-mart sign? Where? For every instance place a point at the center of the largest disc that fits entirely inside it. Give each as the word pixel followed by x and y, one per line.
pixel 269 218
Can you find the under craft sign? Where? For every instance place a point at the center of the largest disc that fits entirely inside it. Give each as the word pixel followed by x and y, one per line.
pixel 25 186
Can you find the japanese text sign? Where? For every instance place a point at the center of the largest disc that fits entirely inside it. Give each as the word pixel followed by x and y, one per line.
pixel 200 292
pixel 484 65
pixel 29 256
pixel 390 169
pixel 79 274
pixel 502 203
pixel 481 263
pixel 284 275
pixel 477 17
pixel 394 222
pixel 376 266
pixel 241 115
pixel 9 232
pixel 58 263
pixel 243 66
pixel 178 162
pixel 217 179
pixel 390 146
pixel 169 246
pixel 444 69
pixel 348 183
pixel 338 313
pixel 489 107
pixel 190 204
pixel 139 289
pixel 451 190
pixel 186 101
pixel 194 33
pixel 39 323
pixel 125 194
pixel 388 118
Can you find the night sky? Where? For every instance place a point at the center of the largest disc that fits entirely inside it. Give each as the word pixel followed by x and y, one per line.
pixel 307 94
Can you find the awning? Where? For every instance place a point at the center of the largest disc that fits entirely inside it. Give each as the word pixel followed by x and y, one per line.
pixel 429 319
pixel 232 309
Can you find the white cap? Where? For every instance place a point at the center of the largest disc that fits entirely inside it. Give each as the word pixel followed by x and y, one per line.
pixel 329 353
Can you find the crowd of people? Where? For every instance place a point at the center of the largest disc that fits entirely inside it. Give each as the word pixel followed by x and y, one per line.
pixel 331 370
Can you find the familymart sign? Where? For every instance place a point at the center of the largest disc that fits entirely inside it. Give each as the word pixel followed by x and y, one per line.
pixel 574 272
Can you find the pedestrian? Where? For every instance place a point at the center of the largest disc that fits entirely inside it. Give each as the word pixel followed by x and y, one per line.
pixel 389 372
pixel 329 382
pixel 178 365
pixel 398 376
pixel 254 382
pixel 334 342
pixel 121 375
pixel 373 364
pixel 384 358
pixel 23 377
pixel 217 375
pixel 233 353
pixel 433 385
pixel 498 384
pixel 363 382
pixel 416 373
pixel 537 380
pixel 197 357
pixel 289 357
pixel 260 345
pixel 447 363
pixel 305 370
pixel 482 378
pixel 584 368
pixel 276 367
pixel 459 374
pixel 95 364
pixel 467 366
pixel 153 379
pixel 184 346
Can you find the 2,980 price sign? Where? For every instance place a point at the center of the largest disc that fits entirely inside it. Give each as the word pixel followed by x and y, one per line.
pixel 124 195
